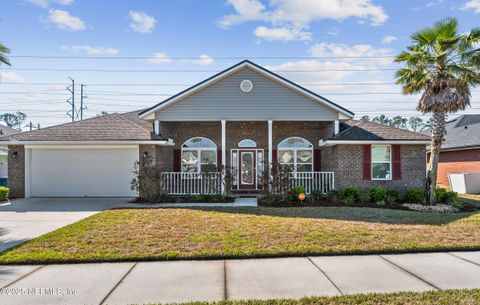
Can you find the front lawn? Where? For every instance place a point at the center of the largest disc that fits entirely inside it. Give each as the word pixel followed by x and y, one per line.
pixel 174 233
pixel 447 297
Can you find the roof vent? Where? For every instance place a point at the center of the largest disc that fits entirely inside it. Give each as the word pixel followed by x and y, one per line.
pixel 246 85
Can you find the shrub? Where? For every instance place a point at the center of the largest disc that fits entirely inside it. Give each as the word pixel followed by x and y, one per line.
pixel 378 194
pixel 350 199
pixel 294 192
pixel 4 193
pixel 457 204
pixel 413 195
pixel 393 196
pixel 445 196
pixel 333 196
pixel 364 198
pixel 271 200
pixel 350 195
pixel 317 195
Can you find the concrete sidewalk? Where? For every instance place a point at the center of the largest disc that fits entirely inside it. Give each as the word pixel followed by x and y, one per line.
pixel 181 281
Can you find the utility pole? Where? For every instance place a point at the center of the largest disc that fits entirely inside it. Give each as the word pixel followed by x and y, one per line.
pixel 71 100
pixel 82 104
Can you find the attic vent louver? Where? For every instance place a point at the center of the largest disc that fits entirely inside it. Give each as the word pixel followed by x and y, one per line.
pixel 246 85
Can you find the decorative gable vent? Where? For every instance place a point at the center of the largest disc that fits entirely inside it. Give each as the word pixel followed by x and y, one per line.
pixel 246 85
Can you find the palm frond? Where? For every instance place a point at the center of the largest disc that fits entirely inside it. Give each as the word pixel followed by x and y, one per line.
pixel 3 51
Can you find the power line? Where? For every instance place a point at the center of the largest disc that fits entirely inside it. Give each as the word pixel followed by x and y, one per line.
pixel 188 70
pixel 191 84
pixel 197 57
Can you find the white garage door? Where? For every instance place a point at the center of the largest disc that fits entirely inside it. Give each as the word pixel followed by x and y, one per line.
pixel 82 172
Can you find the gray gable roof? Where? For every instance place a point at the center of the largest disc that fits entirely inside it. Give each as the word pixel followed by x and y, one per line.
pixel 110 127
pixel 355 130
pixel 6 131
pixel 462 132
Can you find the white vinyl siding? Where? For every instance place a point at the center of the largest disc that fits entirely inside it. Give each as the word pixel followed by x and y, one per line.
pixel 95 172
pixel 224 100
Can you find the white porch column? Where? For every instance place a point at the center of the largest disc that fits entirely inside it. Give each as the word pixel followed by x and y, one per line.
pixel 157 127
pixel 270 140
pixel 224 152
pixel 337 127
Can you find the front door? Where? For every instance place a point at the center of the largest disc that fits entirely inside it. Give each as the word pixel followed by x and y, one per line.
pixel 247 170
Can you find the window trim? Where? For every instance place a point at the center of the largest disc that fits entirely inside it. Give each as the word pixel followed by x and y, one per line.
pixel 199 154
pixel 295 151
pixel 389 162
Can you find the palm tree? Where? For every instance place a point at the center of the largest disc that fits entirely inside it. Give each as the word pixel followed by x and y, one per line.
pixel 3 57
pixel 442 64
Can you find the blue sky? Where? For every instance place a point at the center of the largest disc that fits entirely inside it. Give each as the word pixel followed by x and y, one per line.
pixel 202 37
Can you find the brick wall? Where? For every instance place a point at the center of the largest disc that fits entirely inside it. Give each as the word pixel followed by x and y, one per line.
pixel 455 162
pixel 347 161
pixel 16 170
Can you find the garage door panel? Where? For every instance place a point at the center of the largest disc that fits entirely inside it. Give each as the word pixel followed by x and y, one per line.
pixel 82 172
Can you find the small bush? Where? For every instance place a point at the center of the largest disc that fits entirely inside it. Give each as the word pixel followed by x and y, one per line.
pixel 445 196
pixel 457 204
pixel 413 195
pixel 393 197
pixel 378 194
pixel 294 192
pixel 364 198
pixel 271 200
pixel 317 195
pixel 334 196
pixel 4 193
pixel 350 195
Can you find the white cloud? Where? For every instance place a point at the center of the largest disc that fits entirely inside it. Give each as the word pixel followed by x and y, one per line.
pixel 141 22
pixel 63 20
pixel 388 39
pixel 160 58
pixel 46 3
pixel 333 32
pixel 281 33
pixel 297 15
pixel 337 62
pixel 11 77
pixel 202 60
pixel 90 50
pixel 353 53
pixel 472 5
pixel 323 70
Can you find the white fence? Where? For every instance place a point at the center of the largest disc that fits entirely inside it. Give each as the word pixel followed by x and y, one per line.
pixel 322 181
pixel 177 183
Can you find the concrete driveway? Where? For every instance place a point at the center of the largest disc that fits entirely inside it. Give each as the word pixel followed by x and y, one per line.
pixel 24 219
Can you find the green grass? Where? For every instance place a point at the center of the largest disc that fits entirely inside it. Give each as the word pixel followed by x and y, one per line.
pixel 162 234
pixel 447 297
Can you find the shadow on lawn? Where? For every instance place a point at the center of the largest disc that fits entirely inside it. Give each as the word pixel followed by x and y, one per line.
pixel 374 215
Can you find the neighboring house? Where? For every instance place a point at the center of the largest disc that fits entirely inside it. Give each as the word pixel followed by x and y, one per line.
pixel 4 131
pixel 461 150
pixel 236 119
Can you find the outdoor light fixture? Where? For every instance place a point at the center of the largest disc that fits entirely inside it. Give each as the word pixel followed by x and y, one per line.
pixel 145 154
pixel 14 154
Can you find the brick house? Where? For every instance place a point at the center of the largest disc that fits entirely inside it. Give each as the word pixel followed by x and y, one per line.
pixel 239 119
pixel 461 150
pixel 4 131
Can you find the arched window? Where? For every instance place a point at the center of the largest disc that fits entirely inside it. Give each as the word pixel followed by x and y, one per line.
pixel 296 152
pixel 247 143
pixel 199 155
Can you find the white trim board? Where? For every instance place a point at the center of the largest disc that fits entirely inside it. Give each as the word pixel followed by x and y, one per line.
pixel 101 143
pixel 149 114
pixel 386 142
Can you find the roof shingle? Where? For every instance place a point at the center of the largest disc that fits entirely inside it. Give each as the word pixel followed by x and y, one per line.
pixel 110 127
pixel 369 131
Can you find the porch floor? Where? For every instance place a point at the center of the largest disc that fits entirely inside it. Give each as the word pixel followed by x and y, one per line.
pixel 239 202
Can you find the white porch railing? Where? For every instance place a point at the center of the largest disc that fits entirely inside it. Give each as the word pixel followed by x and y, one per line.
pixel 322 181
pixel 177 183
